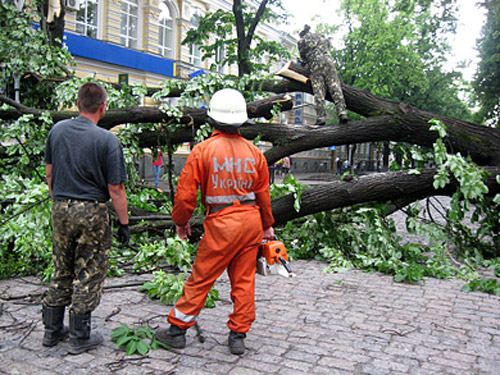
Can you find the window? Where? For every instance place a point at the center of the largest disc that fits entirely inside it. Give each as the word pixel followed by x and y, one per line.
pixel 220 55
pixel 195 55
pixel 166 32
pixel 129 23
pixel 87 18
pixel 194 49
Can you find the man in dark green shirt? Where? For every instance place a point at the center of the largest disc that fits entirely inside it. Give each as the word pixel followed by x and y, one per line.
pixel 85 167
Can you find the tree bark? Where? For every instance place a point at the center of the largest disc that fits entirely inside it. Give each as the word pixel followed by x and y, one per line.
pixel 379 187
pixel 142 115
pixel 399 188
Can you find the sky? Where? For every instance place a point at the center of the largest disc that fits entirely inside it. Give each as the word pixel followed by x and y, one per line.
pixel 471 19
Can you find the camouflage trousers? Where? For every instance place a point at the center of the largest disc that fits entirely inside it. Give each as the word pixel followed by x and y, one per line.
pixel 81 246
pixel 324 77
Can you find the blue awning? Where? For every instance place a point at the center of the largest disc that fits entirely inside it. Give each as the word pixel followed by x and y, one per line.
pixel 82 46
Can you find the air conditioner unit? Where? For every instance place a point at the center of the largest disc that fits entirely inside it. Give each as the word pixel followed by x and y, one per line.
pixel 72 4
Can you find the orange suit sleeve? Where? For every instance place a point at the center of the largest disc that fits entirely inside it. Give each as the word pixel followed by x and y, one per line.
pixel 189 181
pixel 262 193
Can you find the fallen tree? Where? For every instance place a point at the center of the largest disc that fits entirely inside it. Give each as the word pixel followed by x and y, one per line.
pixel 385 121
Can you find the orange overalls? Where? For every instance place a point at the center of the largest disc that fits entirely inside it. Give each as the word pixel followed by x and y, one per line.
pixel 233 177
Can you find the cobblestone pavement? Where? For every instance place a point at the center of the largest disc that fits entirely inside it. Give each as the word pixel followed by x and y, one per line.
pixel 315 323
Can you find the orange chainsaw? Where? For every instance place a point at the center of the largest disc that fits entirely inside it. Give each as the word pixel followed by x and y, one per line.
pixel 273 259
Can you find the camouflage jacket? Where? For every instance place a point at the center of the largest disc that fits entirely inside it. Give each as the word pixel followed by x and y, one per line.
pixel 314 50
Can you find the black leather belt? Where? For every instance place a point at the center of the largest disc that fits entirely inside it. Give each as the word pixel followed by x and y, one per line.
pixel 218 207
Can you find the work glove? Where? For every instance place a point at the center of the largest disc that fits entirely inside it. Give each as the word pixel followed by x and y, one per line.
pixel 124 234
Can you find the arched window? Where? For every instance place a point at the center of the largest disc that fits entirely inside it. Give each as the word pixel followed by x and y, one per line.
pixel 87 17
pixel 129 23
pixel 166 40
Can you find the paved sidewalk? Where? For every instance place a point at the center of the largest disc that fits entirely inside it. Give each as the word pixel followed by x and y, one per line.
pixel 315 323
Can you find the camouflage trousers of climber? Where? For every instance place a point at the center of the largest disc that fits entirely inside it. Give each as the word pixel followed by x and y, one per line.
pixel 81 246
pixel 324 77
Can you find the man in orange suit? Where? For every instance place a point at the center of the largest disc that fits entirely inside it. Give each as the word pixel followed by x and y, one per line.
pixel 233 177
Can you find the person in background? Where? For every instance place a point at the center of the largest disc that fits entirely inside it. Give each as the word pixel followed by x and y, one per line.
pixel 279 168
pixel 85 167
pixel 346 165
pixel 285 166
pixel 314 52
pixel 232 175
pixel 157 164
pixel 339 166
pixel 271 169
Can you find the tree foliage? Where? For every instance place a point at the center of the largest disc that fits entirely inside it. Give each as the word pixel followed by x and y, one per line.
pixel 25 52
pixel 397 49
pixel 233 35
pixel 487 79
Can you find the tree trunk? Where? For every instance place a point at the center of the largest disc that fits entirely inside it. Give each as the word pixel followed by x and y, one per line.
pixel 141 115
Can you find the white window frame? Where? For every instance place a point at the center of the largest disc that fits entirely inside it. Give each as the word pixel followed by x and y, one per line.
pixel 164 27
pixel 83 5
pixel 128 39
pixel 194 49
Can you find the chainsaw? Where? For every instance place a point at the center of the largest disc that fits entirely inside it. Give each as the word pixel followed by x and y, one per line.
pixel 273 259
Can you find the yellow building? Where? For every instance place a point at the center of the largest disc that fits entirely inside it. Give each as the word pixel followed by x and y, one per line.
pixel 142 38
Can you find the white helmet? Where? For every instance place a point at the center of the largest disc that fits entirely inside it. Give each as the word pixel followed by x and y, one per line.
pixel 228 108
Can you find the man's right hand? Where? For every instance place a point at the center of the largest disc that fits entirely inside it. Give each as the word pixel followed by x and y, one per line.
pixel 269 233
pixel 124 234
pixel 183 231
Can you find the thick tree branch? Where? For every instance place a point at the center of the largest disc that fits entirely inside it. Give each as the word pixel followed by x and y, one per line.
pixel 240 34
pixel 399 188
pixel 141 115
pixel 379 187
pixel 255 22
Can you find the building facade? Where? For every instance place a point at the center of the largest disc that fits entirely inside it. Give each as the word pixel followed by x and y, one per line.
pixel 143 38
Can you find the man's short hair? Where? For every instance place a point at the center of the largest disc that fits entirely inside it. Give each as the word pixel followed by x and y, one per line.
pixel 90 96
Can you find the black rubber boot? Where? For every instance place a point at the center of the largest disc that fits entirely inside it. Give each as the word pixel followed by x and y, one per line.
pixel 80 339
pixel 55 331
pixel 173 337
pixel 236 342
pixel 343 118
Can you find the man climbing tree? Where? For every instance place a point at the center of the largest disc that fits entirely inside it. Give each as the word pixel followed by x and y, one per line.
pixel 315 54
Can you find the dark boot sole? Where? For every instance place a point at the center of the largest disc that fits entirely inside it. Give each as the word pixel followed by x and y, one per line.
pixel 56 340
pixel 236 346
pixel 82 346
pixel 176 342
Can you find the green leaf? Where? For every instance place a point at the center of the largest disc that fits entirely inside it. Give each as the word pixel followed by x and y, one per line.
pixel 119 331
pixel 123 340
pixel 142 347
pixel 132 347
